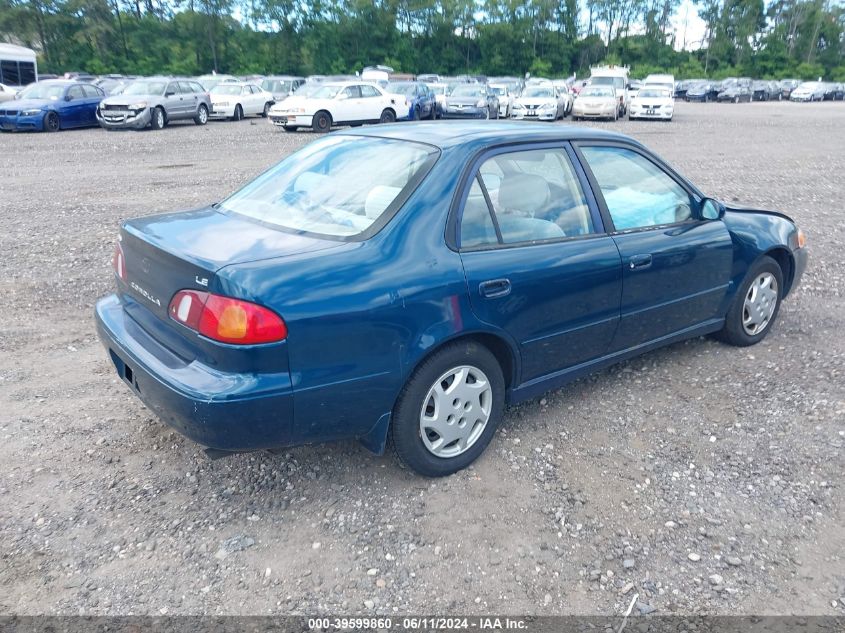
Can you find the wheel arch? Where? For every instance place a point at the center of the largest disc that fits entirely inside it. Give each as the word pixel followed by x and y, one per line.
pixel 784 259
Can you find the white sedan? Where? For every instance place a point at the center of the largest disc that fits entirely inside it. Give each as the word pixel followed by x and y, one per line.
pixel 652 102
pixel 236 100
pixel 336 103
pixel 541 102
pixel 506 99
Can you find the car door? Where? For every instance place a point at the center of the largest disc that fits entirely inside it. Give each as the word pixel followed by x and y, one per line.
pixel 190 99
pixel 373 102
pixel 676 266
pixel 174 104
pixel 72 111
pixel 537 261
pixel 93 96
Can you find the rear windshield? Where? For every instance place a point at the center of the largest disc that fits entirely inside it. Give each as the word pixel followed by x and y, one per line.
pixel 338 186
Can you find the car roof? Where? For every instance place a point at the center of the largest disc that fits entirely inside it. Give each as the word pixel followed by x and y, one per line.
pixel 448 134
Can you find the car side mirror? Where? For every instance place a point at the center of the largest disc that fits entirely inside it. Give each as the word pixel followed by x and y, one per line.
pixel 68 98
pixel 711 209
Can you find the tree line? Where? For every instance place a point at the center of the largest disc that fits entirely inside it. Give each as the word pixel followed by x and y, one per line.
pixel 785 38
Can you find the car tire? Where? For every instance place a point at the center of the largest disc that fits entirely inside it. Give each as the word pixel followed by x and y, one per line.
pixel 52 122
pixel 387 116
pixel 416 116
pixel 290 128
pixel 266 111
pixel 479 409
pixel 202 115
pixel 322 122
pixel 157 119
pixel 238 114
pixel 753 310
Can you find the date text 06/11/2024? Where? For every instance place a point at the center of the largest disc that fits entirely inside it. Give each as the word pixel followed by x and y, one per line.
pixel 418 623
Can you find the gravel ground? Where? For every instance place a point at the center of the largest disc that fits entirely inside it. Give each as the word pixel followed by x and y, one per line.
pixel 701 478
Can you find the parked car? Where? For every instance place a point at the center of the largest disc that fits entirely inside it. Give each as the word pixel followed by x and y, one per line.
pixel 652 102
pixel 155 102
pixel 50 106
pixel 7 93
pixel 471 101
pixel 681 87
pixel 237 100
pixel 419 100
pixel 832 91
pixel 763 90
pixel 332 298
pixel 702 91
pixel 440 90
pixel 634 87
pixel 597 102
pixel 539 102
pixel 564 90
pixel 113 85
pixel 808 91
pixel 506 99
pixel 787 86
pixel 667 81
pixel 735 93
pixel 281 86
pixel 429 78
pixel 344 103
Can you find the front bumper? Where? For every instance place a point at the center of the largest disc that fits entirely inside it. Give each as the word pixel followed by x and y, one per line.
pixel 587 113
pixel 227 411
pixel 697 98
pixel 466 112
pixel 655 113
pixel 18 123
pixel 124 119
pixel 534 115
pixel 799 257
pixel 290 120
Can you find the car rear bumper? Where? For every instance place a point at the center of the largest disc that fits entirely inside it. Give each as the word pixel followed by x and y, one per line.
pixel 227 411
pixel 124 120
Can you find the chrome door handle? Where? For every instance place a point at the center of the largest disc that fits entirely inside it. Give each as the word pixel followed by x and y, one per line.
pixel 639 261
pixel 494 288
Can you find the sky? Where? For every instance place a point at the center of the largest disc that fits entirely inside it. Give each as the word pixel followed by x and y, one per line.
pixel 689 28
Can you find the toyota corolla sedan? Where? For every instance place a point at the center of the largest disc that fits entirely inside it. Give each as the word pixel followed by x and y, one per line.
pixel 331 298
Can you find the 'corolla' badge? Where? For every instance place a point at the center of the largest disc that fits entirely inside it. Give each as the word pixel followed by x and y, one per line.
pixel 144 293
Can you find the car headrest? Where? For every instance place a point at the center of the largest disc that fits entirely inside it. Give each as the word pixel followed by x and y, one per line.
pixel 379 199
pixel 523 192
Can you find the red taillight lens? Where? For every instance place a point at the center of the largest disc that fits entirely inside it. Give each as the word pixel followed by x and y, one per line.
pixel 225 319
pixel 118 262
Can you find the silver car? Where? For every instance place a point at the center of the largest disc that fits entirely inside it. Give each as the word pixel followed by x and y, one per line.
pixel 282 86
pixel 155 102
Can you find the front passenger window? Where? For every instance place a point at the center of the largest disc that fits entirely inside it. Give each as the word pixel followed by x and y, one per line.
pixel 638 193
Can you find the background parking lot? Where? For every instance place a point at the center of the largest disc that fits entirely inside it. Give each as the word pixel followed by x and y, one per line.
pixel 700 477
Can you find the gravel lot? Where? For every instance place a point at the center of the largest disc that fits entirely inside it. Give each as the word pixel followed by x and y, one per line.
pixel 702 478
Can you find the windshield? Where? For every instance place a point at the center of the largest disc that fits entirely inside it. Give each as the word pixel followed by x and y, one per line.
pixel 144 88
pixel 226 89
pixel 538 91
pixel 402 88
pixel 467 91
pixel 325 92
pixel 53 92
pixel 654 93
pixel 307 89
pixel 336 186
pixel 598 91
pixel 276 85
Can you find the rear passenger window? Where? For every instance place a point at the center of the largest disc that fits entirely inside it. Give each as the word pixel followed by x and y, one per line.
pixel 535 196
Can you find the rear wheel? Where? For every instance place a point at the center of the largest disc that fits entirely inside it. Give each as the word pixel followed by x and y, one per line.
pixel 387 116
pixel 157 119
pixel 239 113
pixel 52 123
pixel 322 122
pixel 755 306
pixel 290 128
pixel 202 115
pixel 449 409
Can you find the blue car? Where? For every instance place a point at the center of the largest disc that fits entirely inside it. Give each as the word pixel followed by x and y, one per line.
pixel 50 106
pixel 331 298
pixel 419 102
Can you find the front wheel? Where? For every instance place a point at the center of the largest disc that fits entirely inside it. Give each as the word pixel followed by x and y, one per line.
pixel 157 119
pixel 202 116
pixel 239 113
pixel 52 123
pixel 322 122
pixel 449 409
pixel 755 306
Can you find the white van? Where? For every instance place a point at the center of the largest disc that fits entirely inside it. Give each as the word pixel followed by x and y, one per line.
pixel 18 66
pixel 664 81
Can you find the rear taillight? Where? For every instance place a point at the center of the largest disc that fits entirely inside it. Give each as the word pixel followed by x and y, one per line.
pixel 225 319
pixel 118 262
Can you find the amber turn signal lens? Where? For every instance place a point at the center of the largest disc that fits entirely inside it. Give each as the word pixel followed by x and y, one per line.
pixel 802 239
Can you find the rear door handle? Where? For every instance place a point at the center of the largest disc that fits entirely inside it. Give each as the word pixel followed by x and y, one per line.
pixel 495 288
pixel 639 261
